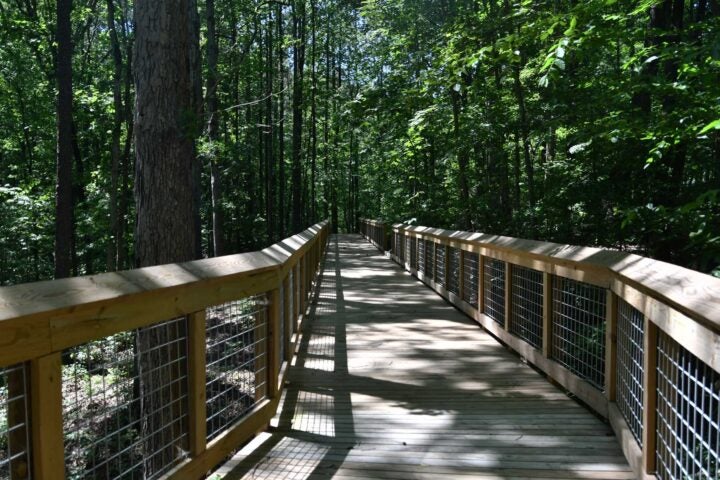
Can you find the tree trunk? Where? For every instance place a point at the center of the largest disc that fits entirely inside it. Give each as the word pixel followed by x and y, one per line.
pixel 213 113
pixel 166 120
pixel 298 69
pixel 115 153
pixel 64 190
pixel 269 132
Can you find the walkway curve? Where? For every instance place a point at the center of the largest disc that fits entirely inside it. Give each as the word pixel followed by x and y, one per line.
pixel 392 382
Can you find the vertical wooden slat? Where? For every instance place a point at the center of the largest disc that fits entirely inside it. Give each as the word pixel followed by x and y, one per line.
pixel 461 280
pixel 296 296
pixel 48 455
pixel 508 294
pixel 547 314
pixel 610 345
pixel 287 301
pixel 650 395
pixel 273 343
pixel 481 284
pixel 197 396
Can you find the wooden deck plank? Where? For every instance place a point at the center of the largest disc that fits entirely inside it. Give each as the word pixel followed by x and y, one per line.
pixel 392 382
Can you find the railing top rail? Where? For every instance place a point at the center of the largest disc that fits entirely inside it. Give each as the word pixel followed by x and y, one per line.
pixel 42 317
pixel 692 293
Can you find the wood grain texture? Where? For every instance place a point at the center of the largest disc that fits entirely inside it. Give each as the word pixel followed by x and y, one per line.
pixel 44 317
pixel 392 382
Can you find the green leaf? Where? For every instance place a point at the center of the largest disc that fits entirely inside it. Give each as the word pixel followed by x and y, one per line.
pixel 711 126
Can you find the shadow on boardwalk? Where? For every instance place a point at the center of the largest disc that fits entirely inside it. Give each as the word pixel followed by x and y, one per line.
pixel 393 382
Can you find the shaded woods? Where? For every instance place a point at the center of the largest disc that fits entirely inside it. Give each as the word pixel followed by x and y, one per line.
pixel 592 123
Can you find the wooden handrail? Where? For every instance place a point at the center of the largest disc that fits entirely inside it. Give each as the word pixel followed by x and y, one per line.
pixel 681 304
pixel 39 321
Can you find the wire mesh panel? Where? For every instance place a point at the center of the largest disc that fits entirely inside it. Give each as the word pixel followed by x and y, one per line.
pixel 429 258
pixel 236 361
pixel 413 252
pixel 578 329
pixel 470 282
pixel 494 294
pixel 421 256
pixel 526 318
pixel 688 414
pixel 397 244
pixel 440 264
pixel 14 423
pixel 453 280
pixel 629 366
pixel 125 404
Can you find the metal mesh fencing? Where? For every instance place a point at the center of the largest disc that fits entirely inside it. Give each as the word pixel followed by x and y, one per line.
pixel 688 415
pixel 125 404
pixel 429 259
pixel 421 256
pixel 494 294
pixel 578 329
pixel 526 318
pixel 408 250
pixel 453 281
pixel 236 361
pixel 629 367
pixel 440 264
pixel 397 245
pixel 471 274
pixel 14 423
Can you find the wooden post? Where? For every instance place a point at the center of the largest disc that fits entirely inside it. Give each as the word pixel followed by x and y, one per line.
pixel 197 397
pixel 481 284
pixel 508 294
pixel 610 345
pixel 446 266
pixel 296 296
pixel 288 301
pixel 48 455
pixel 547 314
pixel 273 343
pixel 650 395
pixel 261 356
pixel 461 280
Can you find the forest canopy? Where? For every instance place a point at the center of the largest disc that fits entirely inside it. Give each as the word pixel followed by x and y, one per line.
pixel 592 123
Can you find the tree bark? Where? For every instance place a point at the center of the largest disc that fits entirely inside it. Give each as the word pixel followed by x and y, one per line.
pixel 298 69
pixel 64 193
pixel 213 131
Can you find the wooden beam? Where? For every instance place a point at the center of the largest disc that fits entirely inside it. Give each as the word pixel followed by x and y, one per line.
pixel 650 395
pixel 508 295
pixel 547 314
pixel 197 397
pixel 48 452
pixel 610 345
pixel 273 343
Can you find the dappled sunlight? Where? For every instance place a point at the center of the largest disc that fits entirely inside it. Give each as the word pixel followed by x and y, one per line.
pixel 392 382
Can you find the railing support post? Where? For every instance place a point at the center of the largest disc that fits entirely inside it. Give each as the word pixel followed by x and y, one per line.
pixel 508 294
pixel 273 338
pixel 48 444
pixel 650 397
pixel 547 314
pixel 610 345
pixel 197 396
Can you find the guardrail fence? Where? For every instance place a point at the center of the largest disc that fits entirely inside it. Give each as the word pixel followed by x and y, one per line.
pixel 158 372
pixel 636 339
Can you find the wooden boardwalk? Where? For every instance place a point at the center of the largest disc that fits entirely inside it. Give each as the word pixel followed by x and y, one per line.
pixel 391 382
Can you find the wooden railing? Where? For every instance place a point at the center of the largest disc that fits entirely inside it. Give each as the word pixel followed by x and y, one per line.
pixel 158 372
pixel 376 232
pixel 636 339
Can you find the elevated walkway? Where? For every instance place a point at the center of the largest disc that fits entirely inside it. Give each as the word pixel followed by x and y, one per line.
pixel 392 382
